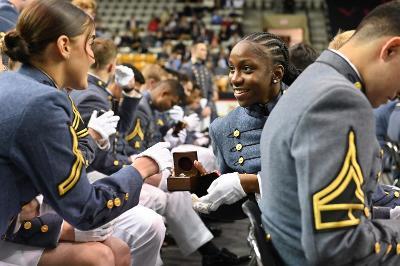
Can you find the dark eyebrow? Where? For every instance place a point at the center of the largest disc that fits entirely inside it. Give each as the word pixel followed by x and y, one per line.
pixel 245 61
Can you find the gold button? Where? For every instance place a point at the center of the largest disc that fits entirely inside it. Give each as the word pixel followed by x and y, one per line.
pixel 239 147
pixel 126 196
pixel 366 212
pixel 116 162
pixel 109 98
pixel 381 154
pixel 377 247
pixel 398 249
pixel 268 237
pixel 236 133
pixel 396 194
pixel 110 204
pixel 117 202
pixel 44 228
pixel 27 225
pixel 358 85
pixel 389 248
pixel 241 160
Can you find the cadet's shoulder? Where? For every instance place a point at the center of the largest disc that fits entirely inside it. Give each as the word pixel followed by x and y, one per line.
pixel 31 95
pixel 89 94
pixel 25 87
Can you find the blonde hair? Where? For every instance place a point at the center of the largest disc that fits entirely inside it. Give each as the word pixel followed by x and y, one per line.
pixel 85 4
pixel 340 39
pixel 154 71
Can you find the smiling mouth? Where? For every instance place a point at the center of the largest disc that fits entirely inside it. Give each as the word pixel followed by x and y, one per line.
pixel 240 91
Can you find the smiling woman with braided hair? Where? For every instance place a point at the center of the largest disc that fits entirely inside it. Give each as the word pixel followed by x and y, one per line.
pixel 259 73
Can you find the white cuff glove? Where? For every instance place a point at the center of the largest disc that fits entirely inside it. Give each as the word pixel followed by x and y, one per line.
pixel 105 124
pixel 226 189
pixel 175 141
pixel 160 154
pixel 164 176
pixel 192 122
pixel 123 76
pixel 99 234
pixel 176 113
pixel 395 213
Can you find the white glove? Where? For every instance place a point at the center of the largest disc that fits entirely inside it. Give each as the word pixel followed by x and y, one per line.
pixel 105 124
pixel 175 141
pixel 98 234
pixel 176 113
pixel 226 189
pixel 160 154
pixel 192 122
pixel 123 75
pixel 395 213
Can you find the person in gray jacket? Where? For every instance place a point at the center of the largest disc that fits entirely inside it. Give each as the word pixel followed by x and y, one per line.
pixel 320 158
pixel 40 151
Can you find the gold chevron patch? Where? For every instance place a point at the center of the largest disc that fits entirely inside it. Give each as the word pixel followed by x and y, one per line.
pixel 160 122
pixel 77 121
pixel 76 169
pixel 137 131
pixel 341 203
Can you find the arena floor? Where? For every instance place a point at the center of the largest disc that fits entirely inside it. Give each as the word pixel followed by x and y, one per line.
pixel 233 237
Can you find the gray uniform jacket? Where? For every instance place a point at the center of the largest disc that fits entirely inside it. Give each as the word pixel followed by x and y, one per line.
pixel 39 154
pixel 201 75
pixel 145 131
pixel 8 16
pixel 96 97
pixel 320 163
pixel 236 137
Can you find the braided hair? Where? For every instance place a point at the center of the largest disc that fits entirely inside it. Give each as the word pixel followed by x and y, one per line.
pixel 279 52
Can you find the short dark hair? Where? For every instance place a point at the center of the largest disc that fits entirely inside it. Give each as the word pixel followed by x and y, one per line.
pixel 41 23
pixel 302 55
pixel 384 20
pixel 177 89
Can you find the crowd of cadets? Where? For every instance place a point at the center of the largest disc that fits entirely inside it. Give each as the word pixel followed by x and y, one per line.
pixel 122 127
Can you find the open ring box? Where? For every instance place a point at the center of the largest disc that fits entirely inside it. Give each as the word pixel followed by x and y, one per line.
pixel 186 176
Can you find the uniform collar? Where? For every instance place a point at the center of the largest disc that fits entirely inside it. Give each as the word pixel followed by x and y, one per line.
pixel 264 109
pixel 94 80
pixel 342 64
pixel 147 97
pixel 37 74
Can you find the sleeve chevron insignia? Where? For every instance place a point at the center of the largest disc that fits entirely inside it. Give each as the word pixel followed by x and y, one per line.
pixel 341 203
pixel 137 131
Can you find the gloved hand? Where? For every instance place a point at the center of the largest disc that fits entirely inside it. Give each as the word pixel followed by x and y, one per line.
pixel 98 234
pixel 105 124
pixel 395 213
pixel 175 141
pixel 226 189
pixel 160 154
pixel 176 113
pixel 192 122
pixel 123 76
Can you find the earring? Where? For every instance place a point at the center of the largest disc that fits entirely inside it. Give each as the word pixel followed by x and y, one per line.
pixel 274 81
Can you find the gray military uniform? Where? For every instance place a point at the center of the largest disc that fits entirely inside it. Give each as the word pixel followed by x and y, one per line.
pixel 320 164
pixel 236 138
